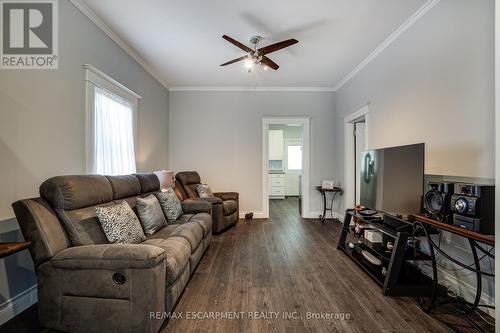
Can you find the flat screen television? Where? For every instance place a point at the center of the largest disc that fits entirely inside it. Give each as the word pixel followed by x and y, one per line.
pixel 392 179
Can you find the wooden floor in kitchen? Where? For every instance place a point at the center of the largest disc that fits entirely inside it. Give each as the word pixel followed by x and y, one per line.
pixel 260 271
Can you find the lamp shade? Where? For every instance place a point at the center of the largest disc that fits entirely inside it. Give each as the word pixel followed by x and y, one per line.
pixel 166 179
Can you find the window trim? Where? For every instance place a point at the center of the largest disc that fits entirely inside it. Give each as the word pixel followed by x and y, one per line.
pixel 96 78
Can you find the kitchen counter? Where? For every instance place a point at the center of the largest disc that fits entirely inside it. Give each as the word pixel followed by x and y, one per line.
pixel 276 172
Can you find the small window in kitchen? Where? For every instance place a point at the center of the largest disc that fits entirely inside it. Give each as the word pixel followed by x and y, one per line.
pixel 294 157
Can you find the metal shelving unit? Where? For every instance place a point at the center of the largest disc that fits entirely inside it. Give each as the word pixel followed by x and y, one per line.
pixel 400 278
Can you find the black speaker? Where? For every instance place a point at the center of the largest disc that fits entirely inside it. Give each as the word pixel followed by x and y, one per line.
pixel 437 201
pixel 473 207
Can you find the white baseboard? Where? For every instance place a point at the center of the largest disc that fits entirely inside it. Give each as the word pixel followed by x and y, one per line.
pixel 256 215
pixel 315 215
pixel 461 288
pixel 17 304
pixel 307 215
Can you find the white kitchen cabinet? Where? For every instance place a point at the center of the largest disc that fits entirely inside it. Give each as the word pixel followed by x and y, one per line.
pixel 277 186
pixel 276 147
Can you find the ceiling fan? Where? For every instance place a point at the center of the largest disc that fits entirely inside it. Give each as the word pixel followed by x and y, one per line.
pixel 258 56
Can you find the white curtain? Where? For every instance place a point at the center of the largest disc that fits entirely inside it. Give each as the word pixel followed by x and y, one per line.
pixel 113 145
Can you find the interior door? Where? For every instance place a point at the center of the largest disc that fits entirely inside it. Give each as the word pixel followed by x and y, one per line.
pixel 359 146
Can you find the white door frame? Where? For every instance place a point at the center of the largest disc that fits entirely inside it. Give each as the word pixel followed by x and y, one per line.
pixel 273 120
pixel 349 153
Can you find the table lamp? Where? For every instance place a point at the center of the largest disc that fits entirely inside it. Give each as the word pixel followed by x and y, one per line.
pixel 166 179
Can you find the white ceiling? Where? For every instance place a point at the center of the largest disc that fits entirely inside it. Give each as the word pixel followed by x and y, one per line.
pixel 181 40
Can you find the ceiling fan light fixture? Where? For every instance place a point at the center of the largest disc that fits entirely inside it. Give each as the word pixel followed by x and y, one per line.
pixel 257 55
pixel 249 63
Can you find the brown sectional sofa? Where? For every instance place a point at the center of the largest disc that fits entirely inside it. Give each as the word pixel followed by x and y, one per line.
pixel 225 205
pixel 86 284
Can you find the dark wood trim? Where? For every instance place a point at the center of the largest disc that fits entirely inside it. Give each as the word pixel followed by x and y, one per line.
pixel 486 239
pixel 8 248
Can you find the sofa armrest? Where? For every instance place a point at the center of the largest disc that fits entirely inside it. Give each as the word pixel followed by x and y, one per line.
pixel 212 200
pixel 110 256
pixel 194 206
pixel 227 195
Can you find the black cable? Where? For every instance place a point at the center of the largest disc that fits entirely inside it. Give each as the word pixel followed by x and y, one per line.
pixel 469 320
pixel 458 263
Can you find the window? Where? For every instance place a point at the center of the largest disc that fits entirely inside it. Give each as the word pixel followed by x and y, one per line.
pixel 111 123
pixel 294 157
pixel 113 144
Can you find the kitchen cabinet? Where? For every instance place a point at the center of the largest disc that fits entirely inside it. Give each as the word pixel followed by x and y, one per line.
pixel 277 186
pixel 276 147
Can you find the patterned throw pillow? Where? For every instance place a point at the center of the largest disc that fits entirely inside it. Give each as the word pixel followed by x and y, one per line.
pixel 204 191
pixel 170 204
pixel 120 224
pixel 150 214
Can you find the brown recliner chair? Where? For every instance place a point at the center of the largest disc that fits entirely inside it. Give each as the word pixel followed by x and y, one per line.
pixel 225 205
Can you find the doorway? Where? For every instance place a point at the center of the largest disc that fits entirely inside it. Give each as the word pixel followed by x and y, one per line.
pixel 359 147
pixel 286 164
pixel 356 126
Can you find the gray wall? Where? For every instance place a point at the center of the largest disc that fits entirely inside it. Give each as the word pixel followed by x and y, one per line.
pixel 435 84
pixel 497 136
pixel 42 123
pixel 219 134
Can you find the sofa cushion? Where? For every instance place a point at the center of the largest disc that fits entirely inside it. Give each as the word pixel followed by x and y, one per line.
pixel 120 224
pixel 213 200
pixel 184 218
pixel 190 231
pixel 149 182
pixel 188 177
pixel 150 214
pixel 163 233
pixel 204 220
pixel 170 204
pixel 124 186
pixel 230 206
pixel 177 253
pixel 82 226
pixel 179 191
pixel 189 180
pixel 73 192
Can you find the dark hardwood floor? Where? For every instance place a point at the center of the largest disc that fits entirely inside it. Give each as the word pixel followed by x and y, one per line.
pixel 286 264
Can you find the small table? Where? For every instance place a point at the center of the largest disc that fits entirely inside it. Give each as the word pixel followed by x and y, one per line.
pixel 323 191
pixel 6 249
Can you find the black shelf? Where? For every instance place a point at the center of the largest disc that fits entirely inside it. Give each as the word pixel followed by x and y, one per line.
pixel 358 258
pixel 401 277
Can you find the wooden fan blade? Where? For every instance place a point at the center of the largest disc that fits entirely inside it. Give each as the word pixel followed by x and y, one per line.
pixel 269 63
pixel 233 61
pixel 237 44
pixel 277 46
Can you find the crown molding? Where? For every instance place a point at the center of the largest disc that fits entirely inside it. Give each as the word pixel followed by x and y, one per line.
pixel 424 9
pixel 82 7
pixel 306 89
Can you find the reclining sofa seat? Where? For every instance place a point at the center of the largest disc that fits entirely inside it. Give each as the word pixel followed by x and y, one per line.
pixel 86 284
pixel 225 205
